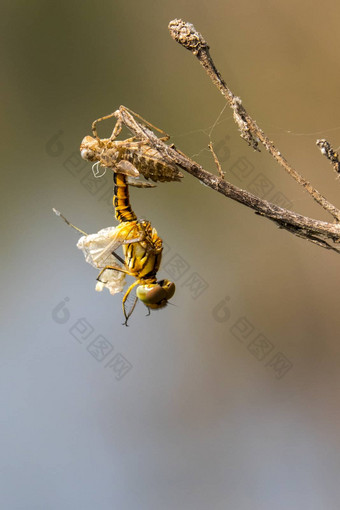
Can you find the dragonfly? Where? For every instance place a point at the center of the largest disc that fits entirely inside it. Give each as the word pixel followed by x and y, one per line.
pixel 142 249
pixel 130 157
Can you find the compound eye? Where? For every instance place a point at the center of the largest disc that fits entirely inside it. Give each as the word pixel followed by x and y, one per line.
pixel 156 295
pixel 168 287
pixel 87 154
pixel 150 294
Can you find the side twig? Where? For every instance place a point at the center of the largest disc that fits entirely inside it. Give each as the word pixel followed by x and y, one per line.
pixel 217 163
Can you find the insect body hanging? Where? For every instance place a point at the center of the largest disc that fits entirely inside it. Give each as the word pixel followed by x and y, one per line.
pixel 142 248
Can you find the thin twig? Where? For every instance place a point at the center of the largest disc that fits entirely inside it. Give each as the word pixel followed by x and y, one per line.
pixel 186 35
pixel 217 163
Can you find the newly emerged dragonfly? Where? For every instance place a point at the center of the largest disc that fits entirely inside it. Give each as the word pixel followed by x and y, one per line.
pixel 142 249
pixel 129 157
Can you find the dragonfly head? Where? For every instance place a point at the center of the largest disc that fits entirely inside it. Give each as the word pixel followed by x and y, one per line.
pixel 156 295
pixel 89 148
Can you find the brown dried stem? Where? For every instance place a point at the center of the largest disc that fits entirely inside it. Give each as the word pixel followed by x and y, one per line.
pixel 186 35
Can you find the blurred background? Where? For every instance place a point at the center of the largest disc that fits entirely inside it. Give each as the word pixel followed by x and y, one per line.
pixel 230 398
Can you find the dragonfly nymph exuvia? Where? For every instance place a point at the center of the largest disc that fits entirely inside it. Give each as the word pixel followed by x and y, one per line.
pixel 130 157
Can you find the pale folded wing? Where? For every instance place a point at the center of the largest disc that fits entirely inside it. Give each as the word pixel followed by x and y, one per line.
pixel 97 249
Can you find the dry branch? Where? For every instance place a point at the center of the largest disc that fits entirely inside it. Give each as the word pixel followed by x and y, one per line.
pixel 319 232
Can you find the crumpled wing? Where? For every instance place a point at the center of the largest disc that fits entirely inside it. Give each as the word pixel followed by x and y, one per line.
pixel 97 249
pixel 93 246
pixel 113 280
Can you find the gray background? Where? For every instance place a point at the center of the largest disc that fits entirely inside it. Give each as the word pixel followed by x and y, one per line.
pixel 195 415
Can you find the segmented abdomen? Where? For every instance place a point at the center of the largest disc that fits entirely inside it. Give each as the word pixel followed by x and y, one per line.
pixel 121 200
pixel 149 163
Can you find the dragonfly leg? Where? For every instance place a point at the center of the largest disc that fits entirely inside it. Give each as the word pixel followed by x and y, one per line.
pixel 127 316
pixel 133 140
pixel 117 129
pixel 113 268
pixel 164 137
pixel 133 143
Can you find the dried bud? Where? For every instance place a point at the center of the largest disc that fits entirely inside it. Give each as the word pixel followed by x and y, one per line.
pixel 186 35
